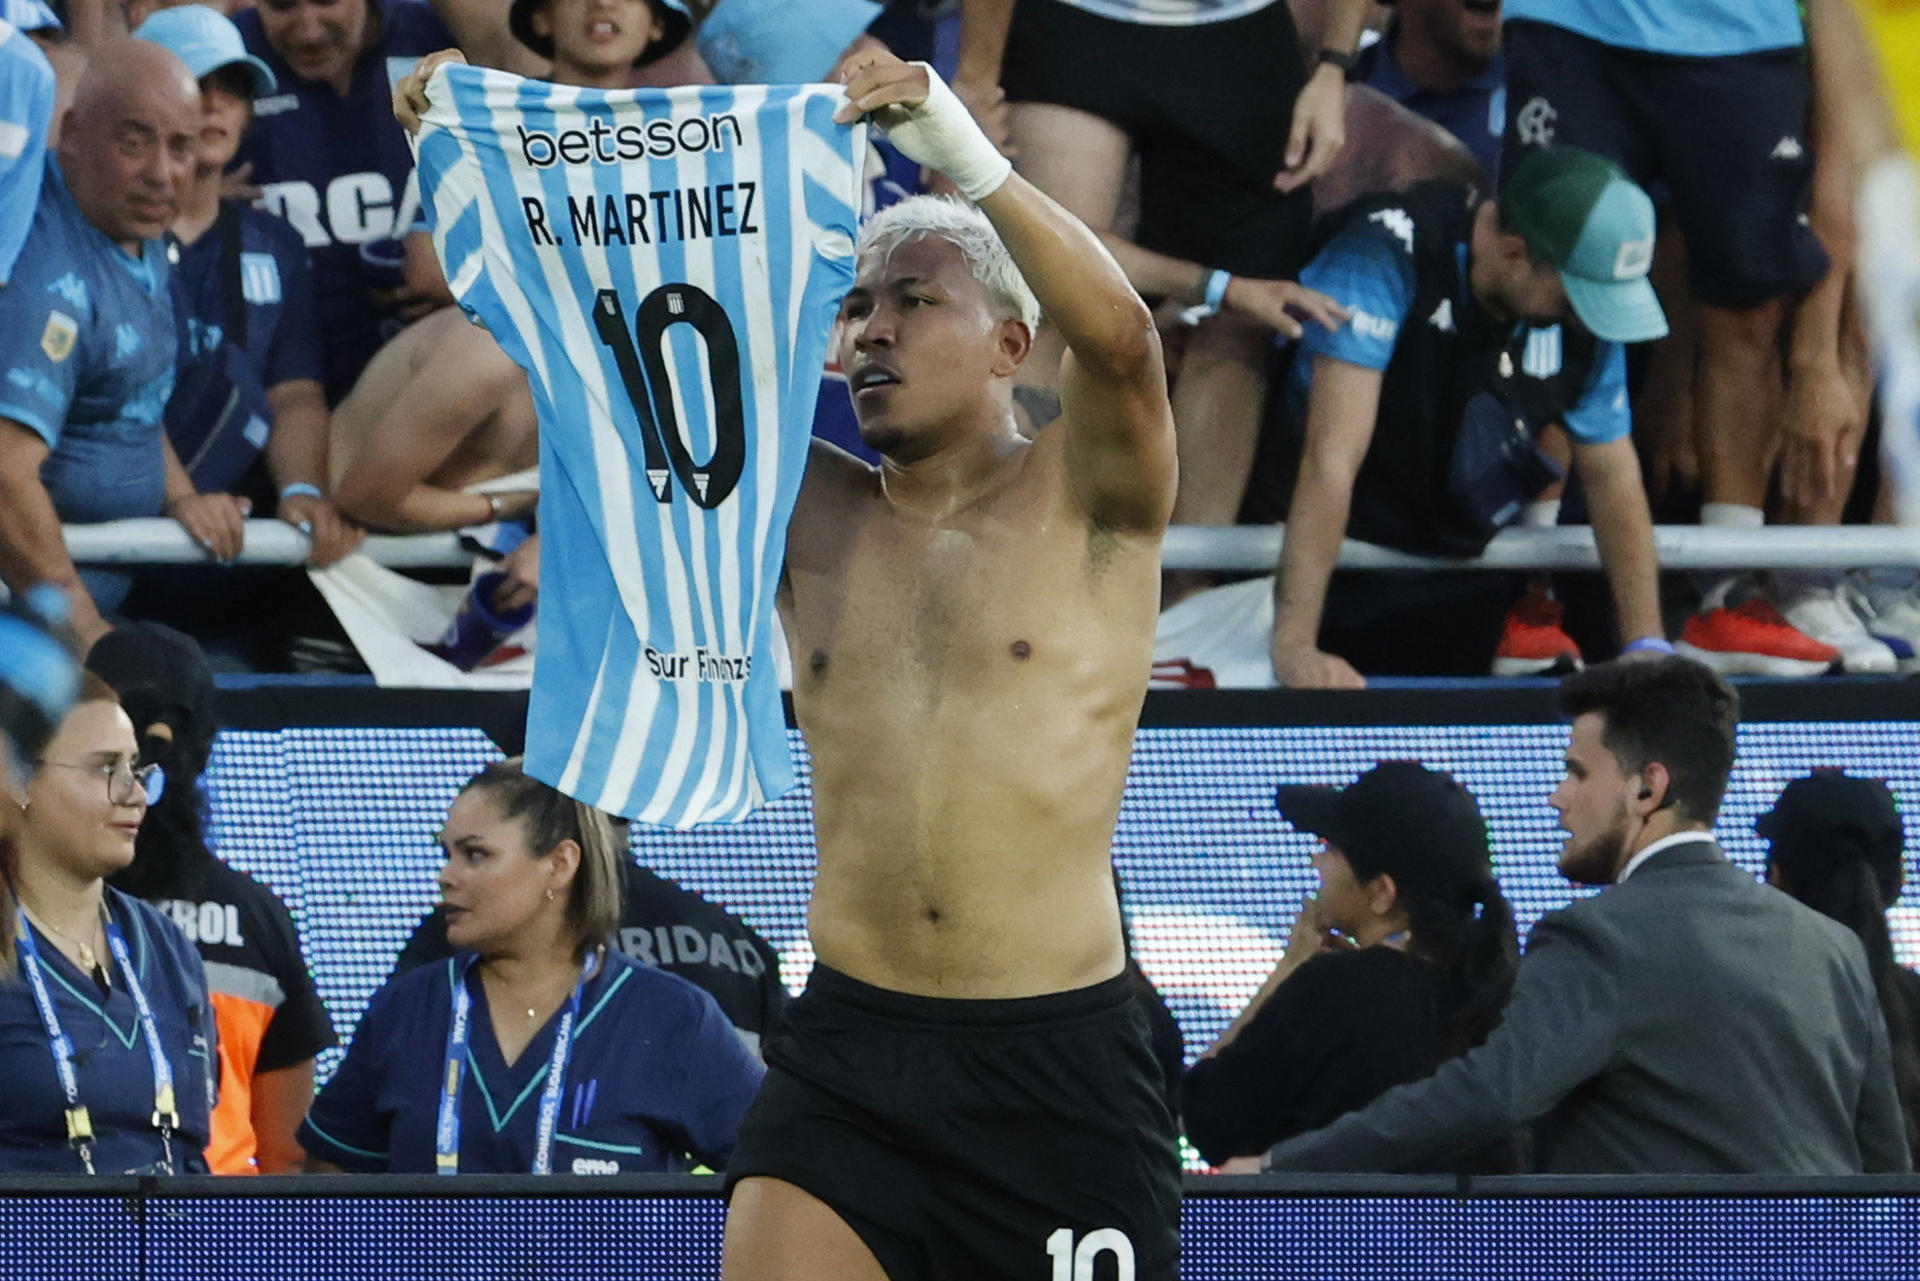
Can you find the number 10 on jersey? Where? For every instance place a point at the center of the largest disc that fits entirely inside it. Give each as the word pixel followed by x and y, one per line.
pixel 642 358
pixel 1073 1262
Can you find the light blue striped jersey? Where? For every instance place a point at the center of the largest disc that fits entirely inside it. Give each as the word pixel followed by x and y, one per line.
pixel 666 265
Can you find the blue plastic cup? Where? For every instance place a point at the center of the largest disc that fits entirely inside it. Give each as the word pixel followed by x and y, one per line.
pixel 477 630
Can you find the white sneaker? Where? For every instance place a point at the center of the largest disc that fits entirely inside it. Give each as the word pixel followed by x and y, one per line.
pixel 1818 611
pixel 1891 616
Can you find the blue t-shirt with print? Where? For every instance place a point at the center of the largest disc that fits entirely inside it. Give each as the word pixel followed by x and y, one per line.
pixel 338 169
pixel 1368 267
pixel 657 1074
pixel 1678 28
pixel 218 417
pixel 111 1060
pixel 87 343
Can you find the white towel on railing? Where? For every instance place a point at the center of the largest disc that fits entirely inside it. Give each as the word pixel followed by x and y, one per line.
pixel 1218 639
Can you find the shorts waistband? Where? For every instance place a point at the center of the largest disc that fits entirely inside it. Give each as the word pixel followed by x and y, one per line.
pixel 830 985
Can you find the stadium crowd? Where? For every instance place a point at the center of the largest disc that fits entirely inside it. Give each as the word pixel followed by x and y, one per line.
pixel 1568 263
pixel 284 340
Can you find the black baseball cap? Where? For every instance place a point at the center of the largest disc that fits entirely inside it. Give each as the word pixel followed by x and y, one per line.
pixel 1417 825
pixel 672 14
pixel 161 675
pixel 1829 815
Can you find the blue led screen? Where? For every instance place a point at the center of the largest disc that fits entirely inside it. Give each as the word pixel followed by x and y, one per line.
pixel 341 822
pixel 345 1237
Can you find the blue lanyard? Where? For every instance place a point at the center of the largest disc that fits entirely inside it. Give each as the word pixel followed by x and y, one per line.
pixel 446 1131
pixel 166 1118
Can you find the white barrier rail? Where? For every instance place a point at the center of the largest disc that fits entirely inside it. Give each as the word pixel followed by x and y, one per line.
pixel 1254 548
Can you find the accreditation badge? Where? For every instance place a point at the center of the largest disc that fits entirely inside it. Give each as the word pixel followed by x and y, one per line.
pixel 58 337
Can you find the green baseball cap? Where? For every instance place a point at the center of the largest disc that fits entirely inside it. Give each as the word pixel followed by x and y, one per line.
pixel 1581 213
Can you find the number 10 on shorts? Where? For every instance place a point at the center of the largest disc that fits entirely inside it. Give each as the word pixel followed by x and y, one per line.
pixel 1075 1262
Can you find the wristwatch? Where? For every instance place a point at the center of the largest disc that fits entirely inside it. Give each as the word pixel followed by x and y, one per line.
pixel 1347 62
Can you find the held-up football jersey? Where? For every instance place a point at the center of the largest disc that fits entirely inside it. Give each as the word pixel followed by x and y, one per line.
pixel 665 264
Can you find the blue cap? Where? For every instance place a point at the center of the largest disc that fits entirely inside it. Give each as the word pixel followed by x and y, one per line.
pixel 780 42
pixel 1581 213
pixel 29 15
pixel 206 40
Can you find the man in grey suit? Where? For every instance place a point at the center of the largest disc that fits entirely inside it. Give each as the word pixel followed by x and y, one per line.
pixel 1688 1019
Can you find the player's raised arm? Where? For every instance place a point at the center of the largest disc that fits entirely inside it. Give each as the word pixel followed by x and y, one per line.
pixel 1113 385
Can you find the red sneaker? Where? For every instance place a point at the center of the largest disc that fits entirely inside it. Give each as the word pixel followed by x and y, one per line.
pixel 1753 639
pixel 1532 642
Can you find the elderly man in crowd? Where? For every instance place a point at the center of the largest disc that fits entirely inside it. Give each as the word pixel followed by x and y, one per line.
pixel 87 338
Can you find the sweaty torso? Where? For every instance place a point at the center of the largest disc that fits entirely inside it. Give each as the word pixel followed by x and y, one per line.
pixel 968 687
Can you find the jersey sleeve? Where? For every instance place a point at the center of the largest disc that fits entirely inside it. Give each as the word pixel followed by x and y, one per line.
pixel 26 109
pixel 345 1125
pixel 1367 268
pixel 300 1028
pixel 719 1078
pixel 295 353
pixel 1602 413
pixel 40 342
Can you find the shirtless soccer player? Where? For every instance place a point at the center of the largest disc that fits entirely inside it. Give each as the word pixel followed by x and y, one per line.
pixel 966 1089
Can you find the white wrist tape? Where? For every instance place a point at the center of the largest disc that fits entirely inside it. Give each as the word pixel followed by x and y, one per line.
pixel 941 134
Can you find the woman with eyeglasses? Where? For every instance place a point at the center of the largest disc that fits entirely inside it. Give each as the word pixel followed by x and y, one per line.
pixel 265 1007
pixel 105 1030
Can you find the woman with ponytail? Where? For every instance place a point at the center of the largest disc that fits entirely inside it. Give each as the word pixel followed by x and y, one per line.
pixel 536 1046
pixel 1835 843
pixel 1402 960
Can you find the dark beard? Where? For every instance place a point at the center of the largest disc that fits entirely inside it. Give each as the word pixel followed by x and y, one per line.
pixel 1598 860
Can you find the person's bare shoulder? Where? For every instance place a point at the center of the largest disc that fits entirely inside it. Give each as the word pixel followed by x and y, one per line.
pixel 837 488
pixel 465 345
pixel 834 479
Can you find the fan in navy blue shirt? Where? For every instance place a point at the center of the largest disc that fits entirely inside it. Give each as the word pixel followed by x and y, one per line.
pixel 330 159
pixel 121 1077
pixel 1441 59
pixel 538 1024
pixel 248 378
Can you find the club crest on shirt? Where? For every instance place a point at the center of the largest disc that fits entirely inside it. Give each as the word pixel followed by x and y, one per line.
pixel 58 337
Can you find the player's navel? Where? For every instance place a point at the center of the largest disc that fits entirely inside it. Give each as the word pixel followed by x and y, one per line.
pixel 818 664
pixel 1020 650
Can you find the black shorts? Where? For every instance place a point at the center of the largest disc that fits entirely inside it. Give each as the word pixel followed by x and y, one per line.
pixel 1727 137
pixel 974 1139
pixel 1207 109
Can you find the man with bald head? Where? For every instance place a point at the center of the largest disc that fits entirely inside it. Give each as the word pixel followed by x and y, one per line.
pixel 87 341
